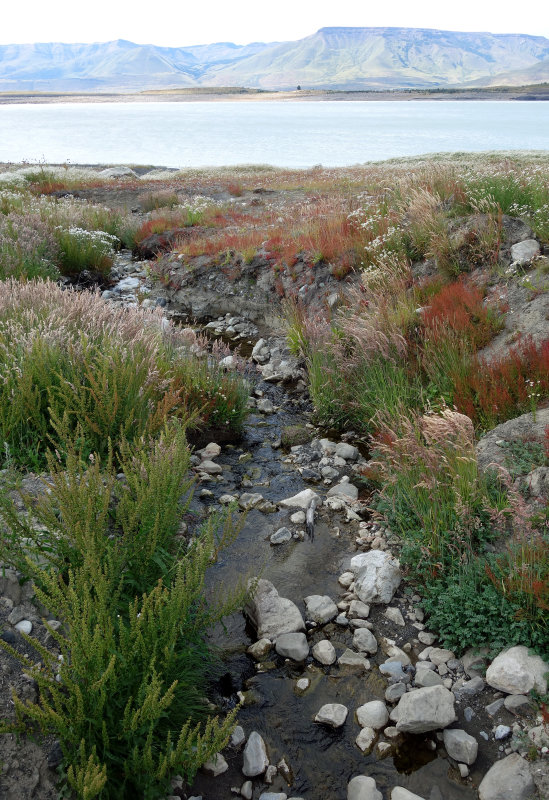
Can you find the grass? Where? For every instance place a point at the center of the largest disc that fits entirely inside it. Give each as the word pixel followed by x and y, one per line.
pixel 72 361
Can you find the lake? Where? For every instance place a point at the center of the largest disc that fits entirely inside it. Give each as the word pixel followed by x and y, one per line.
pixel 286 134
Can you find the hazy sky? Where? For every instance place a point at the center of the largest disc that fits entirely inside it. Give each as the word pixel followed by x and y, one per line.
pixel 186 22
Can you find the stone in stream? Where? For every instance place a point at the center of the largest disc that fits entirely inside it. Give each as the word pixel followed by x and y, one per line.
pixel 212 450
pixel 292 645
pixel 281 536
pixel 508 779
pixel 324 652
pixel 364 641
pixel 332 714
pixel 362 787
pixel 273 796
pixel 271 614
pixel 460 745
pixel 246 790
pixel 259 649
pixel 346 490
pixel 377 576
pixel 237 736
pixel 422 710
pixel 320 608
pixel 515 671
pixel 372 715
pixel 347 451
pixel 300 500
pixel 365 740
pixel 210 467
pixel 255 756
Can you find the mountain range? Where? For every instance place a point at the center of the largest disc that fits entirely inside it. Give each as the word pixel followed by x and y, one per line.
pixel 331 58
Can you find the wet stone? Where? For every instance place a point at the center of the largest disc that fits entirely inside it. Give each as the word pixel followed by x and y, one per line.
pixel 332 714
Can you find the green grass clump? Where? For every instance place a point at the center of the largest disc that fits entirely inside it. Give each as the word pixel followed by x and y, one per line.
pixel 126 694
pixel 72 358
pixel 27 248
pixel 81 250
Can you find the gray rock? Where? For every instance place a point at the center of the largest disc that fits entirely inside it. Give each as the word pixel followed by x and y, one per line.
pixel 377 576
pixel 395 615
pixel 273 796
pixel 341 620
pixel 470 688
pixel 292 645
pixel 346 451
pixel 440 656
pixel 249 500
pixel 260 649
pixel 502 732
pixel 515 671
pixel 280 536
pixel 523 252
pixel 324 652
pixel 372 715
pixel 118 172
pixel 128 284
pixel 363 787
pixel 302 684
pixel 358 610
pixel 460 745
pixel 320 608
pixel 365 739
pixel 537 482
pixel 210 467
pixel 300 500
pixel 428 709
pixel 519 705
pixel 347 491
pixel 364 641
pixel 493 708
pixel 395 692
pixel 271 614
pixel 353 662
pixel 332 714
pixel 24 626
pixel 246 790
pixel 523 428
pixel 265 405
pixel 255 756
pixel 427 677
pixel 216 765
pixel 508 779
pixel 394 671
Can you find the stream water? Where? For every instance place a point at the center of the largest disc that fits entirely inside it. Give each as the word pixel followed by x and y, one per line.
pixel 322 761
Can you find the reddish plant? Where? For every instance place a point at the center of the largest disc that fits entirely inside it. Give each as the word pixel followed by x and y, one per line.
pixel 460 306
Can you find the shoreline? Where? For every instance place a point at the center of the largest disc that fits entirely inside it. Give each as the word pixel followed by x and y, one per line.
pixel 520 93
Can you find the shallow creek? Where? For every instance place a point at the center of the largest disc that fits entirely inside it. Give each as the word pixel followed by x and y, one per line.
pixel 322 761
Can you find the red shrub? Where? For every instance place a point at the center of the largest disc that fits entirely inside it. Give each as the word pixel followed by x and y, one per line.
pixel 460 306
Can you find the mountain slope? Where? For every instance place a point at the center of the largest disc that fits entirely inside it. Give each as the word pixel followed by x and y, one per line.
pixel 331 58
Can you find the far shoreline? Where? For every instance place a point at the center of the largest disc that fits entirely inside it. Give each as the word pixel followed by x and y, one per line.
pixel 520 93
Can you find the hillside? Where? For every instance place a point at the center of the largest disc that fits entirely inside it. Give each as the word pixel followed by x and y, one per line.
pixel 331 58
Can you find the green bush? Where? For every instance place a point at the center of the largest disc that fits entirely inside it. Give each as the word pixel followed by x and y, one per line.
pixel 81 249
pixel 126 695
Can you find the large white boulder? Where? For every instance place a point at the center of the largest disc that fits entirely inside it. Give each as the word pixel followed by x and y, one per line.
pixel 515 671
pixel 377 576
pixel 332 714
pixel 363 788
pixel 508 779
pixel 271 614
pixel 428 709
pixel 255 756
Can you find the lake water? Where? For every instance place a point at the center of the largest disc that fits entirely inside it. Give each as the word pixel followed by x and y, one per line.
pixel 285 134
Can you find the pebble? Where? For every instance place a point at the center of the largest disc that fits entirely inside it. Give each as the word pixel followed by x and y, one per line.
pixel 332 714
pixel 24 626
pixel 502 732
pixel 280 536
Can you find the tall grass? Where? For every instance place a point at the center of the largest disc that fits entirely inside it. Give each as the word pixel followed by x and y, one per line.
pixel 71 358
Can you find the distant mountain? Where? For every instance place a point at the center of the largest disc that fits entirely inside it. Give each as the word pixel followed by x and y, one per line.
pixel 332 58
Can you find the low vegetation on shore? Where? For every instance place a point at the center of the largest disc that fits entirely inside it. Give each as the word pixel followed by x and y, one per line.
pixel 100 399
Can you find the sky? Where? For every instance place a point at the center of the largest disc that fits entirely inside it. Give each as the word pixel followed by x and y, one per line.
pixel 187 22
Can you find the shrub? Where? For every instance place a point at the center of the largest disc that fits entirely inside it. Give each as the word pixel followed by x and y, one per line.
pixel 125 695
pixel 81 249
pixel 150 201
pixel 72 358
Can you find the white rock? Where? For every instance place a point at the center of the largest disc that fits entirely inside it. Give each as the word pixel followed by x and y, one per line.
pixel 523 252
pixel 300 500
pixel 303 684
pixel 259 649
pixel 255 756
pixel 298 518
pixel 24 626
pixel 364 641
pixel 216 765
pixel 212 450
pixel 271 614
pixel 363 788
pixel 320 608
pixel 128 284
pixel 515 671
pixel 273 796
pixel 345 579
pixel 399 793
pixel 210 468
pixel 460 745
pixel 292 645
pixel 425 709
pixel 332 714
pixel 365 739
pixel 347 451
pixel 353 661
pixel 440 656
pixel 346 490
pixel 508 779
pixel 372 715
pixel 237 736
pixel 246 790
pixel 377 576
pixel 324 652
pixel 358 610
